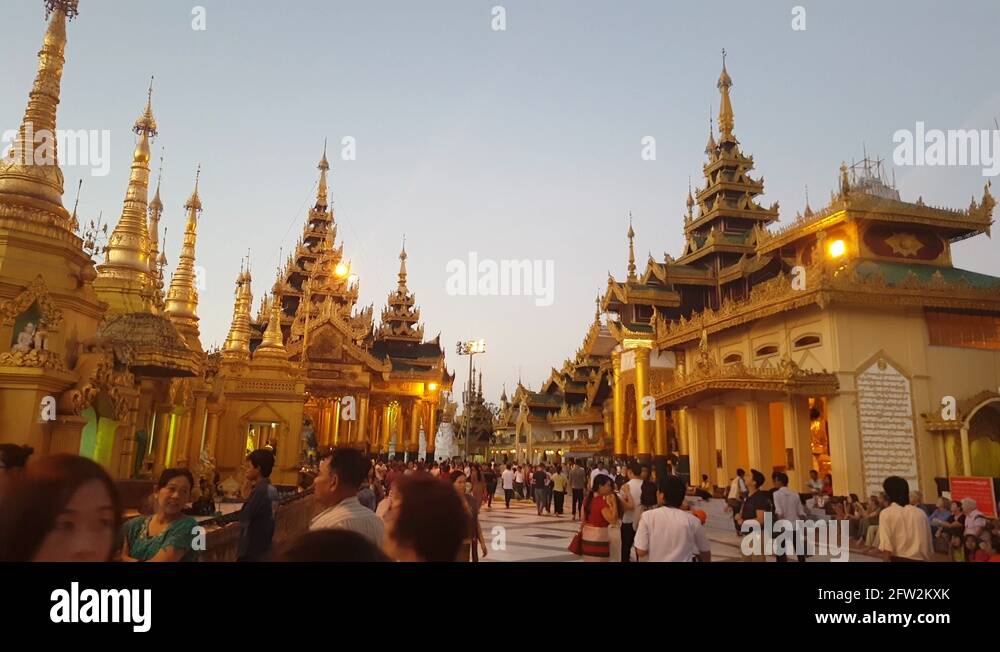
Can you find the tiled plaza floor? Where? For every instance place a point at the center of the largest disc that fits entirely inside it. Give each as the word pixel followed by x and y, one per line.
pixel 525 536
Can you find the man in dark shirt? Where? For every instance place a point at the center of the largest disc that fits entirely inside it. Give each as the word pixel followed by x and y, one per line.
pixel 757 504
pixel 577 483
pixel 490 478
pixel 540 479
pixel 257 515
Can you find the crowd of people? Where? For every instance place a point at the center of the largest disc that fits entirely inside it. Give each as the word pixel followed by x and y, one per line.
pixel 67 508
pixel 895 524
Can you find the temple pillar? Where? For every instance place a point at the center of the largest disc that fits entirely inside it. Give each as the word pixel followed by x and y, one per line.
pixel 335 422
pixel 385 433
pixel 361 436
pixel 845 444
pixel 966 452
pixel 212 431
pixel 430 429
pixel 643 425
pixel 66 433
pixel 681 423
pixel 413 442
pixel 759 438
pixel 660 449
pixel 197 427
pixel 401 428
pixel 618 396
pixel 701 456
pixel 725 440
pixel 163 421
pixel 125 443
pixel 798 437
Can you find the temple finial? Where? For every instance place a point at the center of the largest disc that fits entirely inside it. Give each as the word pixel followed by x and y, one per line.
pixel 323 191
pixel 194 202
pixel 631 249
pixel 726 118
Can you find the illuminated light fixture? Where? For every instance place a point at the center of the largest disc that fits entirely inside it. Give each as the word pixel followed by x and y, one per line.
pixel 341 270
pixel 432 386
pixel 837 249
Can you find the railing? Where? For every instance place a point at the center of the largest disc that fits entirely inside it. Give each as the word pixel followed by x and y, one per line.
pixel 223 532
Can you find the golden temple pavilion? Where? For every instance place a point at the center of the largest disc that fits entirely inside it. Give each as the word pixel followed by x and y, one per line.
pixel 106 359
pixel 846 341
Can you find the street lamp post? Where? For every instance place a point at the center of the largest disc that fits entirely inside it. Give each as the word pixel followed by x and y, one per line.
pixel 470 348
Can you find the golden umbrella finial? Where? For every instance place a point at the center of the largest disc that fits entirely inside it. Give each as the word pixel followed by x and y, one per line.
pixel 68 7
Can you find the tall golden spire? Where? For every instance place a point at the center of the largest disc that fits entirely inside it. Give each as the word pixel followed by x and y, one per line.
pixel 631 250
pixel 237 346
pixel 155 266
pixel 124 280
pixel 725 107
pixel 273 344
pixel 30 175
pixel 690 203
pixel 182 299
pixel 323 192
pixel 711 146
pixel 402 268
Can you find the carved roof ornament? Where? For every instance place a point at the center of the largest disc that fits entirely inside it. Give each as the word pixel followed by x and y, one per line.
pixel 37 292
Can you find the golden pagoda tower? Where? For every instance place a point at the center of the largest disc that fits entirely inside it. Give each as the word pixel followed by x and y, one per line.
pixel 400 318
pixel 124 280
pixel 237 345
pixel 47 302
pixel 157 258
pixel 182 299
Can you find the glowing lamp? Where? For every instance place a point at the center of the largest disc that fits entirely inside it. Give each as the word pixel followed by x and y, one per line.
pixel 341 270
pixel 837 249
pixel 432 386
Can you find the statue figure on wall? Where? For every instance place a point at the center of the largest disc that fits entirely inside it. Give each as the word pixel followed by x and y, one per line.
pixel 25 339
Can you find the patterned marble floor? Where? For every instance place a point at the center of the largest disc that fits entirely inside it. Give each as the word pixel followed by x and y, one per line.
pixel 519 534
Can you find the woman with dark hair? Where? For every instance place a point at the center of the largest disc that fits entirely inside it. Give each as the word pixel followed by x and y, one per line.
pixel 62 508
pixel 429 522
pixel 472 504
pixel 478 485
pixel 325 546
pixel 167 534
pixel 600 509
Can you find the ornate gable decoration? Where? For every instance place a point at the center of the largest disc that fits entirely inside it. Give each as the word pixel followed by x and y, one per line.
pixel 38 293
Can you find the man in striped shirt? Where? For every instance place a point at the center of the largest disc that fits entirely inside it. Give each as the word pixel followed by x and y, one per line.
pixel 341 472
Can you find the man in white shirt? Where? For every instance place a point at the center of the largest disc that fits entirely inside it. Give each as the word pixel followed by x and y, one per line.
pixel 507 482
pixel 904 533
pixel 341 472
pixel 519 482
pixel 669 533
pixel 631 495
pixel 787 506
pixel 975 520
pixel 600 469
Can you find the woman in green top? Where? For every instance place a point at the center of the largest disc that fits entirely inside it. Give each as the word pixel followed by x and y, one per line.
pixel 167 534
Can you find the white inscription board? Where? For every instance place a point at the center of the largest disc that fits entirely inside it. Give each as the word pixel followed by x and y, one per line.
pixel 885 413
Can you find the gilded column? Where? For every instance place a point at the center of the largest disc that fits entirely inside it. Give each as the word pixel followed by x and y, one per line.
pixel 430 432
pixel 335 417
pixel 362 434
pixel 642 424
pixel 725 440
pixel 966 452
pixel 618 393
pixel 197 426
pixel 413 446
pixel 660 450
pixel 798 437
pixel 386 433
pixel 682 431
pixel 759 438
pixel 163 419
pixel 212 431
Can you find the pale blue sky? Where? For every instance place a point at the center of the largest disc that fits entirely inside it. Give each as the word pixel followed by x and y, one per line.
pixel 516 144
